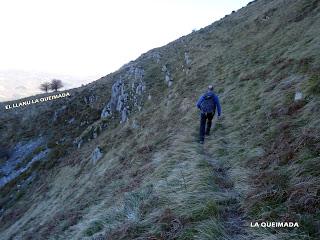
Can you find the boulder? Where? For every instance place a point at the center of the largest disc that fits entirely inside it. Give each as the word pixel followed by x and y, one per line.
pixel 106 112
pixel 96 155
pixel 164 68
pixel 298 96
pixel 187 59
pixel 135 124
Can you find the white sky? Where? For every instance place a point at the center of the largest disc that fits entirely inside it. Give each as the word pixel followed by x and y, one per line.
pixel 79 41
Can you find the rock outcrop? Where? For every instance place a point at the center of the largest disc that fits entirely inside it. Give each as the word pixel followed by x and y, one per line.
pixel 89 99
pixel 96 155
pixel 187 59
pixel 126 94
pixel 167 75
pixel 21 158
pixel 91 132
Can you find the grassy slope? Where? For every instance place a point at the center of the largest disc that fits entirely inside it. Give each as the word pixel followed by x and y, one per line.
pixel 156 182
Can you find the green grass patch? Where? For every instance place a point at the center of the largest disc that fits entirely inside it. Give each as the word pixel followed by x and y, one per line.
pixel 95 227
pixel 209 230
pixel 313 85
pixel 209 210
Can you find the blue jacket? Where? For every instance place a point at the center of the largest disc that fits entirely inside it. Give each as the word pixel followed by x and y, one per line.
pixel 215 99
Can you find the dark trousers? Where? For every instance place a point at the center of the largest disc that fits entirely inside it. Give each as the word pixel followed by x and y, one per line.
pixel 206 119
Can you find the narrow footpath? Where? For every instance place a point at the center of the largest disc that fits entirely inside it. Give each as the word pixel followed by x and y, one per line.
pixel 231 212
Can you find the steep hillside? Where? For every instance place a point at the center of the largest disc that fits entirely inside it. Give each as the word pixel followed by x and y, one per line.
pixel 120 159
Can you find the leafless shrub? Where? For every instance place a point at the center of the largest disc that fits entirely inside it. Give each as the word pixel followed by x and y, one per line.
pixel 56 84
pixel 45 87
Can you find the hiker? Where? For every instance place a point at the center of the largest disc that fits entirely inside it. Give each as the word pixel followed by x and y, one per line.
pixel 207 104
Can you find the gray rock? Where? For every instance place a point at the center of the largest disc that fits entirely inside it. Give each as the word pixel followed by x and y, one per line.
pixel 117 95
pixel 83 123
pixel 135 124
pixel 106 112
pixel 140 88
pixel 122 100
pixel 20 152
pixel 71 120
pixel 187 59
pixel 124 115
pixel 298 96
pixel 125 95
pixel 78 142
pixel 58 113
pixel 167 76
pixel 118 98
pixel 91 132
pixel 90 99
pixel 96 155
pixel 157 57
pixel 137 72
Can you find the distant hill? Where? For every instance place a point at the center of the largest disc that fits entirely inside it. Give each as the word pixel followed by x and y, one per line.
pixel 19 84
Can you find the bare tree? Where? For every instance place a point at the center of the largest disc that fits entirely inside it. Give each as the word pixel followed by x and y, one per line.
pixel 56 84
pixel 45 86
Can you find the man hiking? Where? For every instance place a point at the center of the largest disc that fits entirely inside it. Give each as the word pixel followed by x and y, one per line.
pixel 207 104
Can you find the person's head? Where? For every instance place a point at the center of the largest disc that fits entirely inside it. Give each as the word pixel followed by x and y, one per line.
pixel 210 87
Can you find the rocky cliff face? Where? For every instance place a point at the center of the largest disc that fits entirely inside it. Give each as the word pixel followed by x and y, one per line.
pixel 126 94
pixel 119 158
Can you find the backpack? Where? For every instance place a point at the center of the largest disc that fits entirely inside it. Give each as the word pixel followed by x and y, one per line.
pixel 208 104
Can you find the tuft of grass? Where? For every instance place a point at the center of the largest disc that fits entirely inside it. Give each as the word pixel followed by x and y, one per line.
pixel 209 230
pixel 207 211
pixel 95 227
pixel 313 86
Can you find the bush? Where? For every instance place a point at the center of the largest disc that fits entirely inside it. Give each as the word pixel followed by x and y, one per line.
pixel 56 153
pixel 53 157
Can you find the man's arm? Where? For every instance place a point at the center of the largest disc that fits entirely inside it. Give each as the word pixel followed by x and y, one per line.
pixel 199 102
pixel 218 105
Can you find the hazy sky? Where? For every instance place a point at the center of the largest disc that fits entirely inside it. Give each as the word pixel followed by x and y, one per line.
pixel 81 40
